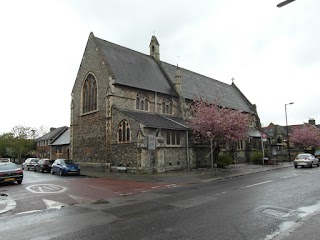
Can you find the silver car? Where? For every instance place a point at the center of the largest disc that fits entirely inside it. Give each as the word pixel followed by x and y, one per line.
pixel 29 163
pixel 305 160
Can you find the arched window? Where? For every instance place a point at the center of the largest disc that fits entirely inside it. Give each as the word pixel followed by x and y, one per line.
pixel 141 102
pixel 123 132
pixel 89 94
pixel 166 106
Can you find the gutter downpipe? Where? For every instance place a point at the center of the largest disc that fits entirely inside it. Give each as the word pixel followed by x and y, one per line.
pixel 187 139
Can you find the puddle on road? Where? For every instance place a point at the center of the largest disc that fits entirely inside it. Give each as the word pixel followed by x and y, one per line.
pixel 280 213
pixel 292 216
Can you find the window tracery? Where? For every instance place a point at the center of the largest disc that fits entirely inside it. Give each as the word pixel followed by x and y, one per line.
pixel 142 102
pixel 89 94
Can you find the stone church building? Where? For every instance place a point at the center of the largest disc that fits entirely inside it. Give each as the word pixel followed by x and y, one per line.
pixel 131 110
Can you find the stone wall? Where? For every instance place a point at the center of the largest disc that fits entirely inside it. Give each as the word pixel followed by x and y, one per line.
pixel 175 158
pixel 89 141
pixel 88 131
pixel 125 97
pixel 124 154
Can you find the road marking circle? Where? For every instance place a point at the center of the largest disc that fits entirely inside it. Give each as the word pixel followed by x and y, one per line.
pixel 46 188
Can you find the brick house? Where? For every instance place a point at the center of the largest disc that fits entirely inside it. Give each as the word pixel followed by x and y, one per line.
pixel 60 146
pixel 130 109
pixel 44 147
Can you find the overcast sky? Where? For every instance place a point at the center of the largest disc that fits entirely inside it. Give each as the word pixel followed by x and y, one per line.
pixel 272 53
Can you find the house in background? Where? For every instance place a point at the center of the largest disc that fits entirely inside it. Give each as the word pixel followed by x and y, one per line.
pixel 278 137
pixel 131 110
pixel 44 148
pixel 60 146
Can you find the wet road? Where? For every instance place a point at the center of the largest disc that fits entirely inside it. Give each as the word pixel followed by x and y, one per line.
pixel 41 191
pixel 257 206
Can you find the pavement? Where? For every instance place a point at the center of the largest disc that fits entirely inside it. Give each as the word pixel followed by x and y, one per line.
pixel 193 176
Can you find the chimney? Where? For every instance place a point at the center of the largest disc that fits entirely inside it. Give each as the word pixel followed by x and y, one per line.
pixel 178 80
pixel 312 121
pixel 52 128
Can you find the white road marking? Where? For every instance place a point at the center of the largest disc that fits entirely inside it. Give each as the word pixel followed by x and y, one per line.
pixel 196 201
pixel 258 184
pixel 290 176
pixel 145 191
pixel 53 204
pixel 170 185
pixel 82 199
pixel 32 211
pixel 46 188
pixel 7 204
pixel 126 194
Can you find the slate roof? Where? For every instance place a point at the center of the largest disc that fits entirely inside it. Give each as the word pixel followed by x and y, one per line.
pixel 195 85
pixel 134 69
pixel 269 131
pixel 253 132
pixel 156 120
pixel 63 139
pixel 52 135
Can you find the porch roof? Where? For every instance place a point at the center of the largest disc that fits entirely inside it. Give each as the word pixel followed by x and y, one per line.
pixel 156 120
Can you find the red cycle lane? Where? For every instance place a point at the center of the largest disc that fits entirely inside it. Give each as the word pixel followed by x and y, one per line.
pixel 73 190
pixel 102 188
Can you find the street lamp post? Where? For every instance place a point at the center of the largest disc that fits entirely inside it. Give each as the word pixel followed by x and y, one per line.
pixel 284 3
pixel 288 145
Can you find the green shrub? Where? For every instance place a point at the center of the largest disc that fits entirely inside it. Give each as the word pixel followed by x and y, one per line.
pixel 223 161
pixel 256 157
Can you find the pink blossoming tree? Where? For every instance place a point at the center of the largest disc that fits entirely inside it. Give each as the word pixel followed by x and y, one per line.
pixel 220 125
pixel 307 136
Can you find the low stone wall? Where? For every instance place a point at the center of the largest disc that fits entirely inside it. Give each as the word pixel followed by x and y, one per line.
pixel 99 167
pixel 124 169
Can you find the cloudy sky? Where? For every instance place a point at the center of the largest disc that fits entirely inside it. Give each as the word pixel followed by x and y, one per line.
pixel 272 53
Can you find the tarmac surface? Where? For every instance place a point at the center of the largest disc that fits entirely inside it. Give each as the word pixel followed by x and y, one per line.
pixel 307 228
pixel 202 175
pixel 194 176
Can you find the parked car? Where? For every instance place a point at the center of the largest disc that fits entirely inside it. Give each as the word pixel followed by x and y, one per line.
pixel 2 160
pixel 43 164
pixel 65 167
pixel 305 160
pixel 10 172
pixel 29 163
pixel 317 154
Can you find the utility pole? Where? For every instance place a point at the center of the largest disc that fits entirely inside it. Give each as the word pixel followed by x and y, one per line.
pixel 288 144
